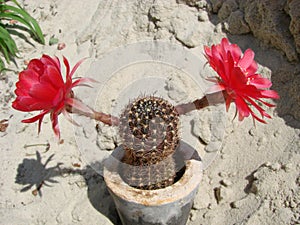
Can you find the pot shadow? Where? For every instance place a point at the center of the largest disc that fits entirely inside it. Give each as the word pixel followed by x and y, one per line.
pixel 33 175
pixel 99 195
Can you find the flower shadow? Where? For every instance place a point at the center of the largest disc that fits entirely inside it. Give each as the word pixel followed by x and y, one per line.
pixel 32 173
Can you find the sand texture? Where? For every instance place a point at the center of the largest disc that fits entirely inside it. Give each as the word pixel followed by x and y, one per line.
pixel 252 172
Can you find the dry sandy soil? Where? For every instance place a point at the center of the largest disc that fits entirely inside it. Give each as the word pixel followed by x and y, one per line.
pixel 252 179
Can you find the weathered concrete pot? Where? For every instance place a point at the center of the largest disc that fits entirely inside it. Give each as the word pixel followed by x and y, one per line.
pixel 167 206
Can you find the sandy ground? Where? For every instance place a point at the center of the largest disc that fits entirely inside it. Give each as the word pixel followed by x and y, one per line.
pixel 252 179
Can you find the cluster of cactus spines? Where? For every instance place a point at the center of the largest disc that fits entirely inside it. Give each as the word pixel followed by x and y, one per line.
pixel 149 133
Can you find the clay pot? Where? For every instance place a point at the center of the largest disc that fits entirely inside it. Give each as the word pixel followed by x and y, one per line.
pixel 167 206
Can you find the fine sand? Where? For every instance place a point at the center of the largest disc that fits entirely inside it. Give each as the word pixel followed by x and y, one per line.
pixel 251 172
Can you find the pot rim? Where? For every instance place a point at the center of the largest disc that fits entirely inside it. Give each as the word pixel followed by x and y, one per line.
pixel 189 181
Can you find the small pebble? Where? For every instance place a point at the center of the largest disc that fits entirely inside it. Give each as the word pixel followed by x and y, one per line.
pixel 267 164
pixel 7 97
pixel 275 166
pixel 203 16
pixel 201 4
pixel 80 184
pixel 226 182
pixel 218 194
pixel 61 46
pixel 218 28
pixel 261 141
pixel 252 131
pixel 232 174
pixel 225 25
pixel 286 203
pixel 253 189
pixel 234 205
pixel 35 192
pixel 276 133
pixel 223 174
pixel 288 167
pixel 196 205
pixel 193 216
pixel 293 204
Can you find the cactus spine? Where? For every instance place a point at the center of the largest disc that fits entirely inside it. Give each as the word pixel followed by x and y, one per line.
pixel 149 133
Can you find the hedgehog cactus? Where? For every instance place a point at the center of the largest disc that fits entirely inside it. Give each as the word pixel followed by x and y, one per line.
pixel 149 134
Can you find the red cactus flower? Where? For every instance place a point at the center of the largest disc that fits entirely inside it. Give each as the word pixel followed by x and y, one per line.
pixel 41 88
pixel 238 77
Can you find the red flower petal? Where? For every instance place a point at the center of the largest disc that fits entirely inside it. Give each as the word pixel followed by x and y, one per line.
pixel 36 65
pixel 76 67
pixel 43 92
pixel 41 87
pixel 52 77
pixel 261 111
pixel 269 94
pixel 238 77
pixel 27 78
pixel 266 103
pixel 36 118
pixel 247 59
pixel 68 77
pixel 47 60
pixel 83 82
pixel 55 127
pixel 207 51
pixel 228 101
pixel 215 54
pixel 25 104
pixel 78 105
pixel 252 68
pixel 235 52
pixel 215 88
pixel 69 118
pixel 242 107
pixel 259 82
pixel 257 118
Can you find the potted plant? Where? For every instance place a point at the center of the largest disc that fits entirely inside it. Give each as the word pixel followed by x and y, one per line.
pixel 153 174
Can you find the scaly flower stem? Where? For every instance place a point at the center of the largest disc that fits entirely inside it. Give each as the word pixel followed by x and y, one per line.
pixel 98 116
pixel 105 118
pixel 209 99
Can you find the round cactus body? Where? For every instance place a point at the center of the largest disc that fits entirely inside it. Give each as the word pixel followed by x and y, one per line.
pixel 149 134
